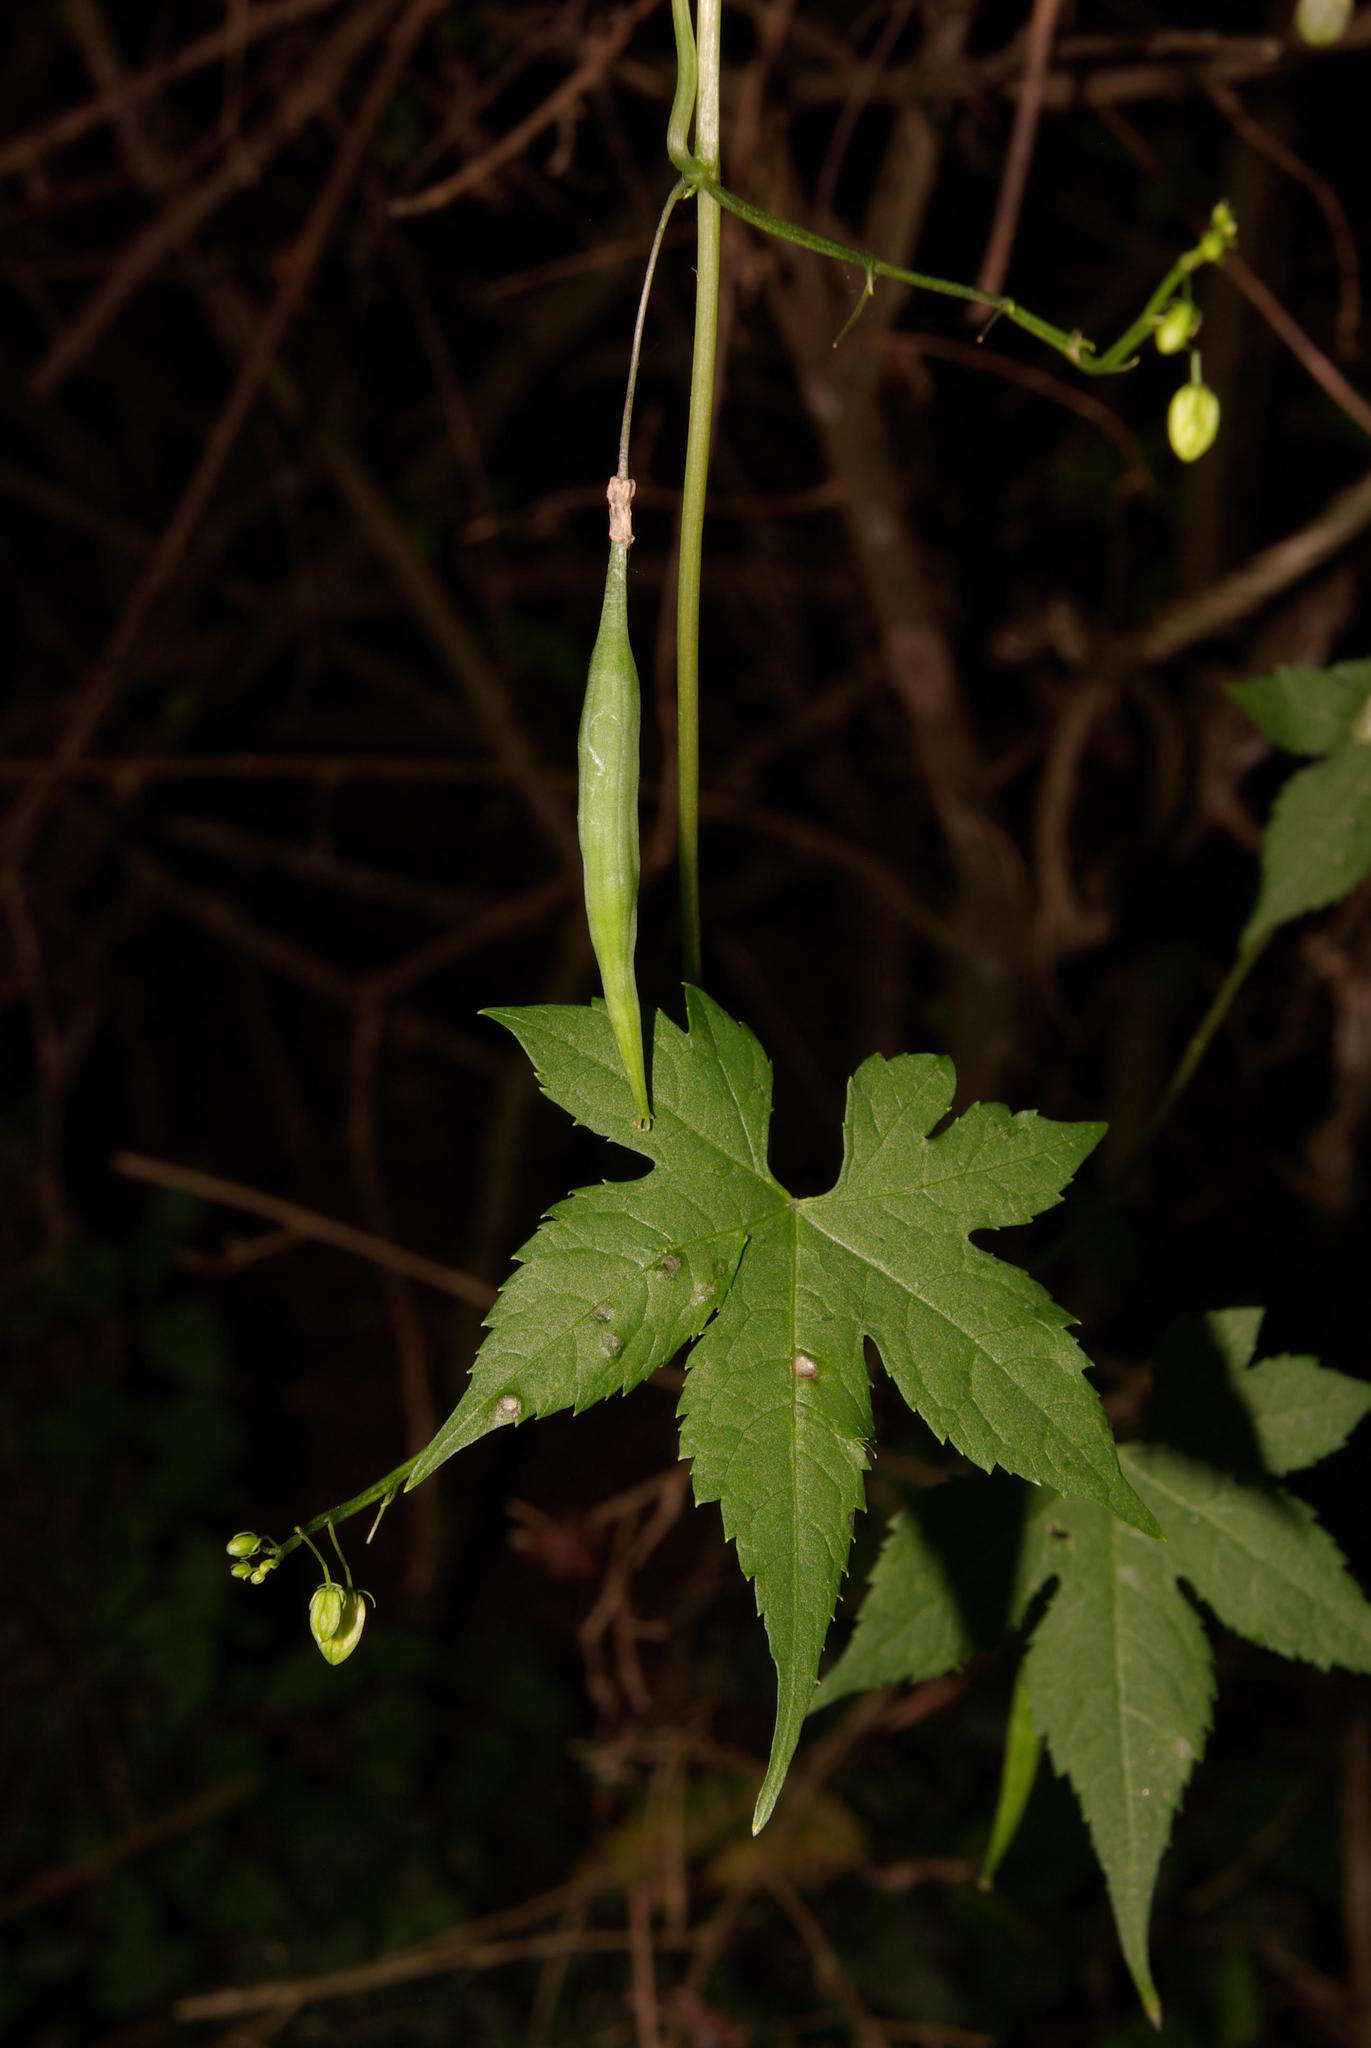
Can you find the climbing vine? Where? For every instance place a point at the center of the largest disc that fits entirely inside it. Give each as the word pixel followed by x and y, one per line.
pixel 773 1298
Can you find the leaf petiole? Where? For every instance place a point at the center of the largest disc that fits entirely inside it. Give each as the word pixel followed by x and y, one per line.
pixel 1082 353
pixel 380 1489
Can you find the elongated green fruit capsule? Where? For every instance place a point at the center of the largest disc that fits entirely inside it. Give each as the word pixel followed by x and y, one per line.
pixel 607 807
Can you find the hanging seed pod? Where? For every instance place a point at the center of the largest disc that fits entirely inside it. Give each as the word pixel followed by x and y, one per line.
pixel 1177 328
pixel 1322 22
pixel 325 1612
pixel 607 805
pixel 352 1614
pixel 1192 421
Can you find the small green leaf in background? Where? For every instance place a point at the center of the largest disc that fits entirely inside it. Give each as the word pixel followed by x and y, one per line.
pixel 1119 1672
pixel 1278 1416
pixel 776 1412
pixel 957 1569
pixel 1307 710
pixel 1317 845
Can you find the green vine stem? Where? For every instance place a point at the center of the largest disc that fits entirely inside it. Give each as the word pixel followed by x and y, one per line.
pixel 1186 1068
pixel 698 71
pixel 383 1490
pixel 697 80
pixel 1200 1041
pixel 1120 356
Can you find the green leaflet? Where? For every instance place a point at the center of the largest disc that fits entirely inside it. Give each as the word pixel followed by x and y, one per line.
pixel 775 1416
pixel 1274 1417
pixel 1118 1671
pixel 1317 846
pixel 620 1276
pixel 1121 1686
pixel 1307 710
pixel 1258 1557
pixel 611 1285
pixel 976 1347
pixel 957 1569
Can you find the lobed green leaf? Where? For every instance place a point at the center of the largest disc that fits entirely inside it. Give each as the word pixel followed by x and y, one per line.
pixel 1119 1673
pixel 781 1295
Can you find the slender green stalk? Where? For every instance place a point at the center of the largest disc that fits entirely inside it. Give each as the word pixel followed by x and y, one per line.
pixel 1186 1069
pixel 1200 1041
pixel 709 236
pixel 1121 355
pixel 625 432
pixel 380 1489
pixel 319 1555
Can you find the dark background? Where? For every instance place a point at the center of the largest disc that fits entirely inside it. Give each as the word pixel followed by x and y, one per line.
pixel 304 536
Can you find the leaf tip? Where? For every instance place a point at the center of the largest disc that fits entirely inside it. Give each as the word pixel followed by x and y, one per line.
pixel 1140 1970
pixel 1132 1509
pixel 776 1771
